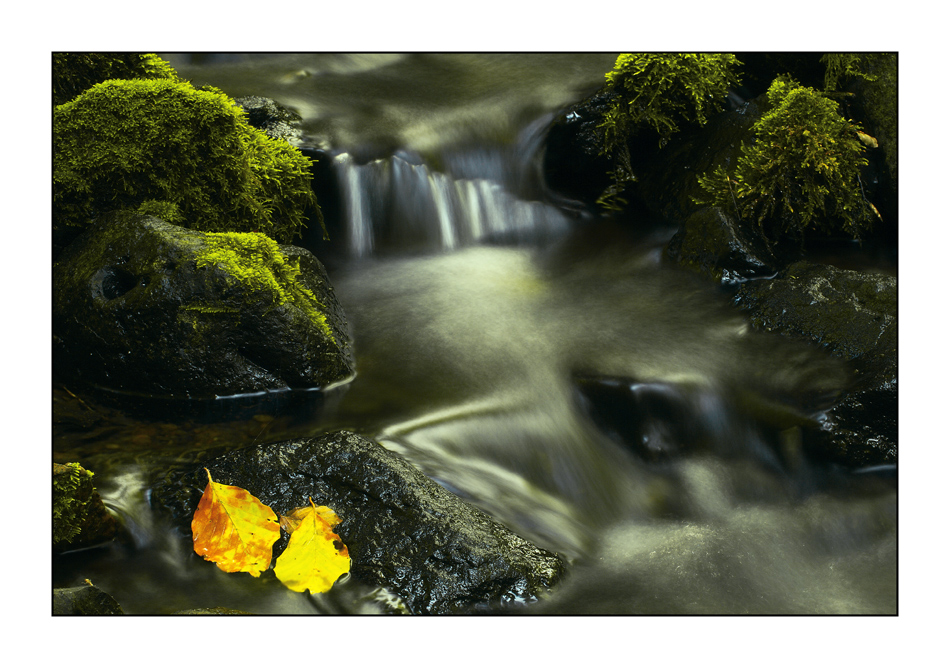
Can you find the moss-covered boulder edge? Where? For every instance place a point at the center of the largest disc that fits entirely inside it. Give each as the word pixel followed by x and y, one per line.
pixel 160 146
pixel 144 307
pixel 172 219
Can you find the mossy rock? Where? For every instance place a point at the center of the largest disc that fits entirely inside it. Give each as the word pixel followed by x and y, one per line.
pixel 144 307
pixel 165 148
pixel 79 517
pixel 656 95
pixel 801 175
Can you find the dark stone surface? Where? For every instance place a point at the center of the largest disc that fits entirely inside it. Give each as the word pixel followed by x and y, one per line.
pixel 853 315
pixel 713 244
pixel 573 164
pixel 403 531
pixel 134 314
pixel 84 600
pixel 272 118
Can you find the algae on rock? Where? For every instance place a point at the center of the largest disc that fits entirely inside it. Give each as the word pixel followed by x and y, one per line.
pixel 162 146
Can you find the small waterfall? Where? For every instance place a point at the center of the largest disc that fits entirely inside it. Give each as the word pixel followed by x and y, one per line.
pixel 401 203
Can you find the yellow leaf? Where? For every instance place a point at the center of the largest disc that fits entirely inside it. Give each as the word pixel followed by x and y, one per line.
pixel 315 556
pixel 232 528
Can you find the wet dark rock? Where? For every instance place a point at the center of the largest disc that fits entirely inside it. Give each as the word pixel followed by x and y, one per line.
pixel 853 315
pixel 713 244
pixel 271 117
pixel 134 313
pixel 403 531
pixel 573 164
pixel 87 599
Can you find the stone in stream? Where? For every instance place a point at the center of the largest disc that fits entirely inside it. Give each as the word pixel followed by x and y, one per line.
pixel 403 531
pixel 854 316
pixel 141 306
pixel 86 599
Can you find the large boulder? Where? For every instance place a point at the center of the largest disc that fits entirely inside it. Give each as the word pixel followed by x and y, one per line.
pixel 853 315
pixel 403 531
pixel 162 147
pixel 145 307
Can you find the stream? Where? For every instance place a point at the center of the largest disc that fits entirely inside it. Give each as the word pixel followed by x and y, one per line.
pixel 538 361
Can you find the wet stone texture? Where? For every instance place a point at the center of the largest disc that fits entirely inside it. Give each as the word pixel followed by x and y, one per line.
pixel 403 531
pixel 86 599
pixel 854 316
pixel 133 312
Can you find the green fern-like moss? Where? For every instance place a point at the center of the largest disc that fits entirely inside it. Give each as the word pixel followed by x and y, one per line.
pixel 129 144
pixel 802 172
pixel 72 490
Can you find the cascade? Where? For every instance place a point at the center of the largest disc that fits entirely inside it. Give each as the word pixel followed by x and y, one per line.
pixel 400 203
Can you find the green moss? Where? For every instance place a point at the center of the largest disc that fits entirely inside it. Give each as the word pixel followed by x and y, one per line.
pixel 72 492
pixel 840 67
pixel 802 172
pixel 873 77
pixel 256 262
pixel 176 150
pixel 74 73
pixel 659 93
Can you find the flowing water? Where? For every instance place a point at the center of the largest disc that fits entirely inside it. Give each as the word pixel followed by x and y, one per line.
pixel 539 362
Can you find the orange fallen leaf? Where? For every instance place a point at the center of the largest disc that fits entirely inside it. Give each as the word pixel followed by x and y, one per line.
pixel 232 528
pixel 315 557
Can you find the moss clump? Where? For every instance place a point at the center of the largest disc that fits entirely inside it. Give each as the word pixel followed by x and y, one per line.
pixel 659 93
pixel 802 172
pixel 74 73
pixel 72 496
pixel 161 146
pixel 873 77
pixel 255 261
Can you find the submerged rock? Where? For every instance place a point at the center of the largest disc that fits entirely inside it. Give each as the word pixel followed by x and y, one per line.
pixel 145 307
pixel 403 531
pixel 854 316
